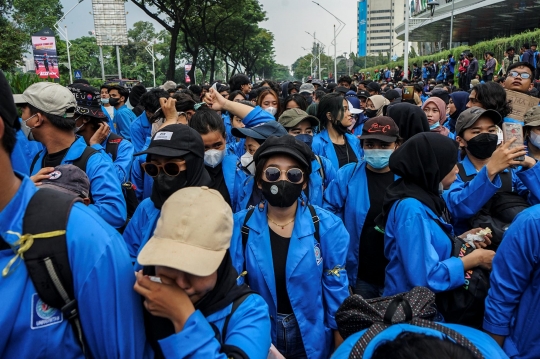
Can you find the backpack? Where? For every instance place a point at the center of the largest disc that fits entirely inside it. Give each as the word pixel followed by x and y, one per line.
pixel 47 259
pixel 321 170
pixel 245 235
pixel 128 188
pixel 500 210
pixel 80 162
pixel 415 307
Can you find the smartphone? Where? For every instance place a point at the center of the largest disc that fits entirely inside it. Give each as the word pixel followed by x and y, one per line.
pixel 514 130
pixel 407 93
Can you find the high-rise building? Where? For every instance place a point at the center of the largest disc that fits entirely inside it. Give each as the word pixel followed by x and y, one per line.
pixel 377 20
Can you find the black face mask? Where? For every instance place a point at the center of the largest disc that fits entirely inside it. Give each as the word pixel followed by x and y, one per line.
pixel 113 101
pixel 164 186
pixel 281 193
pixel 483 145
pixel 370 113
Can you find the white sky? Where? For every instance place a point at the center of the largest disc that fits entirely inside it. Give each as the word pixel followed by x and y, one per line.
pixel 288 20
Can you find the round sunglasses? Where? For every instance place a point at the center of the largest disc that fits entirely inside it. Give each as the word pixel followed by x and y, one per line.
pixel 294 175
pixel 172 169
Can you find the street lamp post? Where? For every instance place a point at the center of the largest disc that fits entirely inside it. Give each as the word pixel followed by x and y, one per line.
pixel 64 34
pixel 350 50
pixel 318 51
pixel 336 34
pixel 310 63
pixel 451 26
pixel 406 45
pixel 150 49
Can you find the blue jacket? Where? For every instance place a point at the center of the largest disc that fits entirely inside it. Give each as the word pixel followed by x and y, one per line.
pixel 323 146
pixel 256 117
pixel 315 185
pixel 248 329
pixel 140 129
pixel 24 152
pixel 465 199
pixel 228 127
pixel 143 183
pixel 419 251
pixel 513 301
pixel 124 158
pixel 141 227
pixel 487 346
pixel 110 311
pixel 315 271
pixel 123 118
pixel 107 197
pixel 348 198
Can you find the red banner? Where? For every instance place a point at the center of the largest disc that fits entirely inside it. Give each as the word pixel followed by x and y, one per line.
pixel 45 57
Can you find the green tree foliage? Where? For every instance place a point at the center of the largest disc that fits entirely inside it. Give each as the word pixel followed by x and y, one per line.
pixel 12 41
pixel 32 16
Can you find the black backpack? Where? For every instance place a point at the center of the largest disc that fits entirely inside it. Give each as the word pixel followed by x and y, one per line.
pixel 47 259
pixel 415 307
pixel 500 210
pixel 80 162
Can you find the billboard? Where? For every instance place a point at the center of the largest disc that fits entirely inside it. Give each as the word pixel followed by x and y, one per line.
pixel 362 27
pixel 187 68
pixel 110 22
pixel 45 56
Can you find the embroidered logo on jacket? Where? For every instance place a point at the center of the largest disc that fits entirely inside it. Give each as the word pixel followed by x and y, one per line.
pixel 43 315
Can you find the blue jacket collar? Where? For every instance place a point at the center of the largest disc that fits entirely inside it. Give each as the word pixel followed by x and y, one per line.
pixel 76 150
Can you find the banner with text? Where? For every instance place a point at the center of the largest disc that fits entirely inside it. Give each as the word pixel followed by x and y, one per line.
pixel 45 56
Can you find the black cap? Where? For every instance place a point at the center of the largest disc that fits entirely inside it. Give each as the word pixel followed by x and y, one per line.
pixel 68 179
pixel 8 111
pixel 391 95
pixel 363 93
pixel 469 117
pixel 175 141
pixel 373 86
pixel 88 100
pixel 261 132
pixel 287 145
pixel 442 94
pixel 380 128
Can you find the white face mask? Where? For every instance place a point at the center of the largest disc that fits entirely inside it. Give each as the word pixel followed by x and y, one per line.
pixel 535 139
pixel 78 128
pixel 247 162
pixel 28 130
pixel 271 110
pixel 213 158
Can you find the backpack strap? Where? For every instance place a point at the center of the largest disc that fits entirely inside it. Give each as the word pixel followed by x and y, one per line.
pixel 321 170
pixel 237 302
pixel 113 142
pixel 245 237
pixel 82 161
pixel 316 220
pixel 506 180
pixel 47 260
pixel 463 174
pixel 34 161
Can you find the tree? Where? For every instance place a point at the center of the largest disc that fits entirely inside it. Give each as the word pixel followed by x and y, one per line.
pixel 12 41
pixel 32 16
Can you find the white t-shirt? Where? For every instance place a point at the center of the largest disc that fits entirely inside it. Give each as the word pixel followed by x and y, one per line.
pixel 110 110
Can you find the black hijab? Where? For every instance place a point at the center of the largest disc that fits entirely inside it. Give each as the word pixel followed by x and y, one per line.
pixel 224 293
pixel 421 163
pixel 409 118
pixel 218 181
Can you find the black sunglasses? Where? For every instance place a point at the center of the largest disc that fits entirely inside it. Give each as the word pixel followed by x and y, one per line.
pixel 294 175
pixel 172 169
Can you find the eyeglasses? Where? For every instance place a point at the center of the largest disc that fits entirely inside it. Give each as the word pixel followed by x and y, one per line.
pixel 294 175
pixel 172 169
pixel 523 75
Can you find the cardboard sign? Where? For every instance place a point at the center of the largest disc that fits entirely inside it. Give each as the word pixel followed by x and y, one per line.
pixel 520 103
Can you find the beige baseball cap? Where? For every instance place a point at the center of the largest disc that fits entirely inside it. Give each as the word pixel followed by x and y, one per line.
pixel 48 97
pixel 193 232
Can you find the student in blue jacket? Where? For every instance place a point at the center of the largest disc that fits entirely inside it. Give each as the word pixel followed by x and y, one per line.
pixel 234 121
pixel 44 121
pixel 141 128
pixel 334 142
pixel 175 159
pixel 109 311
pixel 477 135
pixel 301 125
pixel 92 126
pixel 513 302
pixel 123 116
pixel 196 293
pixel 222 168
pixel 294 254
pixel 416 239
pixel 411 341
pixel 356 196
pixel 106 107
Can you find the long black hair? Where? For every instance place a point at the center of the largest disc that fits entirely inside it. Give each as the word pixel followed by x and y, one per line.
pixel 333 103
pixel 493 97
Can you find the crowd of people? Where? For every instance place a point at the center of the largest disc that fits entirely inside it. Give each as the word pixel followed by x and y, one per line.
pixel 241 220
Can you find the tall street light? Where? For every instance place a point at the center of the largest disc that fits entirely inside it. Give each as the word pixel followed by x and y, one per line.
pixel 451 26
pixel 64 34
pixel 336 34
pixel 318 52
pixel 350 50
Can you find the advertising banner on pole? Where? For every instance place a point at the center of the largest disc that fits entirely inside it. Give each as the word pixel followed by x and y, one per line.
pixel 362 28
pixel 187 69
pixel 45 56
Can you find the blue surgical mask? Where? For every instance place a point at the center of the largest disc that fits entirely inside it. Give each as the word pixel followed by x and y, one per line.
pixel 377 159
pixel 435 126
pixel 535 139
pixel 104 101
pixel 307 139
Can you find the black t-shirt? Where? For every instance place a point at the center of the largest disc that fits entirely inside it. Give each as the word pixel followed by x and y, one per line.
pixel 280 250
pixel 345 154
pixel 372 262
pixel 54 159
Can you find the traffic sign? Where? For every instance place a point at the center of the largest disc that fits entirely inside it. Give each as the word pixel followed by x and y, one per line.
pixel 350 62
pixel 78 74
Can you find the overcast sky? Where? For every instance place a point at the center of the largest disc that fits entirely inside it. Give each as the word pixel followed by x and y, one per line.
pixel 288 20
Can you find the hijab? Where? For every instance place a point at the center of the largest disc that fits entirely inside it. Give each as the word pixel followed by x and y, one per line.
pixel 379 101
pixel 409 118
pixel 222 295
pixel 218 181
pixel 421 163
pixel 440 105
pixel 460 99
